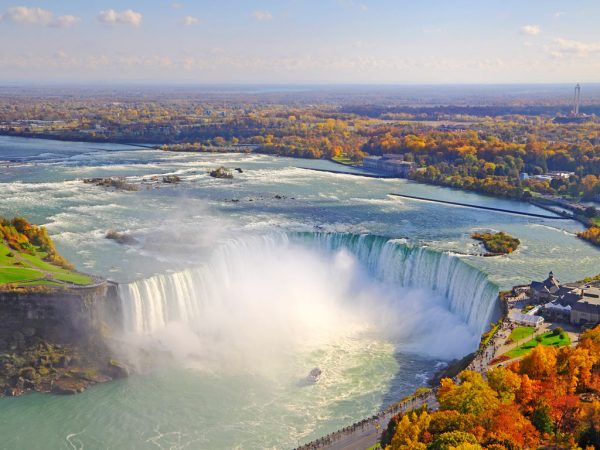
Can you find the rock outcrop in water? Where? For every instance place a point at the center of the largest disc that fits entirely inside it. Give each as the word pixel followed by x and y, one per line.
pixel 120 237
pixel 171 179
pixel 221 172
pixel 115 182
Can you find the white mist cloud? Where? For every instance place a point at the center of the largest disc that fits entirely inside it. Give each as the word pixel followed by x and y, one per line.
pixel 261 302
pixel 190 21
pixel 262 16
pixel 24 15
pixel 126 17
pixel 566 46
pixel 531 30
pixel 66 21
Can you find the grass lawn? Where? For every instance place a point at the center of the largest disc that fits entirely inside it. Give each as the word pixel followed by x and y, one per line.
pixel 343 160
pixel 596 221
pixel 16 274
pixel 548 339
pixel 521 333
pixel 32 270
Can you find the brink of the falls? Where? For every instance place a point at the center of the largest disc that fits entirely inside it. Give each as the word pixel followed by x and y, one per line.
pixel 284 290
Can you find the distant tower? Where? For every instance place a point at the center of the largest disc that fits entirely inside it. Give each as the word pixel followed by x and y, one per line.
pixel 576 100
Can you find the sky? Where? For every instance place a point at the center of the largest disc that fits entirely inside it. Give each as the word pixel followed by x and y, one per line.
pixel 300 41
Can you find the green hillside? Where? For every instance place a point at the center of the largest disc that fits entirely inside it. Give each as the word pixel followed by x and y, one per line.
pixel 28 258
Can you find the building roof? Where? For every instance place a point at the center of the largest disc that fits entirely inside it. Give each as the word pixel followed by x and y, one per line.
pixel 570 298
pixel 587 307
pixel 551 284
pixel 591 292
pixel 557 306
pixel 537 285
pixel 516 316
pixel 393 156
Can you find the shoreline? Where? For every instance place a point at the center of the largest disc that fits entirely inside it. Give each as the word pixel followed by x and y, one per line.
pixel 540 203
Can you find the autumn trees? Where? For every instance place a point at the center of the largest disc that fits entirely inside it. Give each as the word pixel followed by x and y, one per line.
pixel 489 157
pixel 549 398
pixel 24 237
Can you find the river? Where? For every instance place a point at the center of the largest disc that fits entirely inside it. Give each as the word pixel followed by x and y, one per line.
pixel 249 283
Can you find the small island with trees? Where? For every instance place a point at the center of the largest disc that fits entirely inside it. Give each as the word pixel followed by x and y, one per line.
pixel 500 243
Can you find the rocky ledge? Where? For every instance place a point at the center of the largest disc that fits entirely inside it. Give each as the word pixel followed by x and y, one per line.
pixel 54 368
pixel 55 339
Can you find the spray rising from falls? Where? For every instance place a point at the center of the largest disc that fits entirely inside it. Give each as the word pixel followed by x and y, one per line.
pixel 467 290
pixel 284 290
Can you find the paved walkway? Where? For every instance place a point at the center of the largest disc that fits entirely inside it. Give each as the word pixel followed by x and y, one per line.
pixel 367 432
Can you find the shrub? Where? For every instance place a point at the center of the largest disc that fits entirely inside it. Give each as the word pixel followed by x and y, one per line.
pixel 497 243
pixel 445 441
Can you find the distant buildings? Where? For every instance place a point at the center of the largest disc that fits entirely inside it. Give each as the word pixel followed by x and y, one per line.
pixel 575 116
pixel 548 176
pixel 577 304
pixel 392 164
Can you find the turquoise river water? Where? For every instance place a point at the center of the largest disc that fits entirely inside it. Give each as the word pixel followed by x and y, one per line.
pixel 247 284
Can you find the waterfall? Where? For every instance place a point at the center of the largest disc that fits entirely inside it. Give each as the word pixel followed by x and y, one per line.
pixel 185 296
pixel 467 289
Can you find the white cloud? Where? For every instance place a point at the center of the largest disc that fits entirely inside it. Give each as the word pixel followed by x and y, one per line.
pixel 65 21
pixel 127 17
pixel 567 46
pixel 24 15
pixel 262 15
pixel 191 21
pixel 531 30
pixel 558 14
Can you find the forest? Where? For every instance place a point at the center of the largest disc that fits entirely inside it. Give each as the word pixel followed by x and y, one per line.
pixel 550 399
pixel 458 148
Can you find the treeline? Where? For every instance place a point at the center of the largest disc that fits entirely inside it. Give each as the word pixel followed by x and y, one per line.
pixel 24 237
pixel 470 160
pixel 550 399
pixel 497 243
pixel 591 235
pixel 436 112
pixel 484 154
